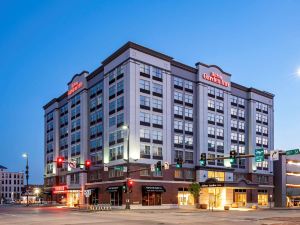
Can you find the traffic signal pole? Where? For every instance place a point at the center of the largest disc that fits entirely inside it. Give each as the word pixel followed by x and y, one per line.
pixel 242 156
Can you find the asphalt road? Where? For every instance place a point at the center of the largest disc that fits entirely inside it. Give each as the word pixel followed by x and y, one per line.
pixel 63 216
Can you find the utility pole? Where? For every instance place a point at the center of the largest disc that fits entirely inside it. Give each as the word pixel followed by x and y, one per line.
pixel 25 155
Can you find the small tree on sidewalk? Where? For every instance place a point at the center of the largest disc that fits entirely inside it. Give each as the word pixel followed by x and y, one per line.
pixel 194 189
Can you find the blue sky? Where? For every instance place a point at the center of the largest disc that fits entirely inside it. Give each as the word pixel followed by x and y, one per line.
pixel 44 43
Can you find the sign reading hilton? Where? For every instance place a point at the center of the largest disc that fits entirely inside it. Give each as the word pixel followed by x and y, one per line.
pixel 74 87
pixel 215 78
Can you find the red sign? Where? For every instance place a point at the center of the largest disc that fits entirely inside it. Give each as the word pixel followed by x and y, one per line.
pixel 215 78
pixel 60 189
pixel 74 87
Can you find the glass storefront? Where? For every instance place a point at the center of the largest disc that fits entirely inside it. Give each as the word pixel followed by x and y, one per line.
pixel 152 195
pixel 73 198
pixel 116 194
pixel 262 197
pixel 240 196
pixel 185 197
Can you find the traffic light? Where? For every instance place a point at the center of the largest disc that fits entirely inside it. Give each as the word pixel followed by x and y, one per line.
pixel 179 163
pixel 59 161
pixel 124 187
pixel 232 157
pixel 87 164
pixel 203 159
pixel 158 166
pixel 129 185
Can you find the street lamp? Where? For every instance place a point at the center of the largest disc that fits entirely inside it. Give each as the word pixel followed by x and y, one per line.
pixel 126 127
pixel 25 155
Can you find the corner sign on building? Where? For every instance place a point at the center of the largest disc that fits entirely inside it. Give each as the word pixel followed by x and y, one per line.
pixel 74 87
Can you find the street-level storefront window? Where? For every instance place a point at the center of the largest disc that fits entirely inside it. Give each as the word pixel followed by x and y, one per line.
pixel 185 197
pixel 262 197
pixel 152 195
pixel 220 176
pixel 115 195
pixel 240 197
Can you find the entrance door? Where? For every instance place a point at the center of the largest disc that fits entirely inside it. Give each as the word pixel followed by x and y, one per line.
pixel 241 198
pixel 116 198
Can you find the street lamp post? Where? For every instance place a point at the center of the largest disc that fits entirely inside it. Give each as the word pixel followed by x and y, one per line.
pixel 25 155
pixel 128 172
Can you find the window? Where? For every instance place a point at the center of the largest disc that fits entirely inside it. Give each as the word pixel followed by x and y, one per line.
pixel 157 151
pixel 220 176
pixel 144 133
pixel 265 141
pixel 156 119
pixel 234 147
pixel 188 127
pixel 145 85
pixel 241 113
pixel 220 119
pixel 264 130
pixel 219 106
pixel 188 85
pixel 233 99
pixel 120 118
pixel 241 101
pixel 220 145
pixel 178 174
pixel 234 124
pixel 258 140
pixel 189 157
pixel 156 103
pixel 144 117
pixel 219 93
pixel 178 96
pixel 258 117
pixel 157 88
pixel 264 119
pixel 156 72
pixel 220 132
pixel 112 121
pixel 258 105
pixel 157 135
pixel 211 117
pixel 112 90
pixel 188 98
pixel 120 102
pixel 241 125
pixel 241 149
pixel 241 137
pixel 234 111
pixel 210 90
pixel 145 150
pixel 234 136
pixel 211 145
pixel 120 86
pixel 178 139
pixel 265 108
pixel 178 154
pixel 188 140
pixel 211 131
pixel 211 104
pixel 178 110
pixel 112 106
pixel 145 101
pixel 178 82
pixel 188 112
pixel 145 68
pixel 178 124
pixel 111 76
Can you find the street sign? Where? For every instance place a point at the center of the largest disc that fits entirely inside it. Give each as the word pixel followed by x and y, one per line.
pixel 87 193
pixel 118 167
pixel 166 165
pixel 72 164
pixel 259 155
pixel 125 169
pixel 292 152
pixel 105 168
pixel 152 168
pixel 274 155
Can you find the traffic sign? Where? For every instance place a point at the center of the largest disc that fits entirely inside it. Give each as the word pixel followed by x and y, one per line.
pixel 72 164
pixel 166 165
pixel 259 155
pixel 274 155
pixel 105 168
pixel 118 167
pixel 125 169
pixel 87 193
pixel 292 152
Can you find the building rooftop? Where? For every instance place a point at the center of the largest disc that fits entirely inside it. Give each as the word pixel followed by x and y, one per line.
pixel 3 167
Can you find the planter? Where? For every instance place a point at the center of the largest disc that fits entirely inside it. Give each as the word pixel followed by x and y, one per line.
pixel 203 206
pixel 226 207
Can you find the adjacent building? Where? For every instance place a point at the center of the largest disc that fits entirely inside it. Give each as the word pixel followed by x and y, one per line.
pixel 287 181
pixel 11 184
pixel 173 111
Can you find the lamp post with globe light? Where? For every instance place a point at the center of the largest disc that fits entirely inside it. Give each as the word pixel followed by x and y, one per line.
pixel 25 155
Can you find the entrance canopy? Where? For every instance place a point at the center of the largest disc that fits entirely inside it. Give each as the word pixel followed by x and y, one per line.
pixel 153 189
pixel 240 184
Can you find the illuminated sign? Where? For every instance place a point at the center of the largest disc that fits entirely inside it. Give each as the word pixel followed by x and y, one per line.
pixel 215 78
pixel 74 87
pixel 60 189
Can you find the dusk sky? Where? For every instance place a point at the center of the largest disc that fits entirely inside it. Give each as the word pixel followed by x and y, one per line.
pixel 44 43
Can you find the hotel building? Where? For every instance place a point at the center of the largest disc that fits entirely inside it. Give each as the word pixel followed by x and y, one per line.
pixel 173 111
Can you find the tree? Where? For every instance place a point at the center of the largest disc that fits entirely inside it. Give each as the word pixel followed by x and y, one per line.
pixel 194 189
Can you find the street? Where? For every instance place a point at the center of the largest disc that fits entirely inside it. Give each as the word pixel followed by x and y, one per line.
pixel 58 216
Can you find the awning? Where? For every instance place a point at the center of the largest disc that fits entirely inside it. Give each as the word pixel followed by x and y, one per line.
pixel 113 188
pixel 153 189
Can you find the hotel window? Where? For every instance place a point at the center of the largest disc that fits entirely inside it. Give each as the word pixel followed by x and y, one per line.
pixel 157 135
pixel 258 128
pixel 234 111
pixel 156 119
pixel 178 110
pixel 234 136
pixel 241 137
pixel 145 150
pixel 264 130
pixel 234 147
pixel 188 140
pixel 111 76
pixel 188 98
pixel 265 108
pixel 220 132
pixel 188 127
pixel 219 106
pixel 145 85
pixel 211 131
pixel 112 90
pixel 234 124
pixel 178 96
pixel 145 68
pixel 144 133
pixel 211 117
pixel 120 102
pixel 241 113
pixel 262 197
pixel 112 121
pixel 242 163
pixel 156 103
pixel 144 171
pixel 120 86
pixel 120 119
pixel 211 145
pixel 258 105
pixel 220 119
pixel 258 140
pixel 145 101
pixel 178 139
pixel 178 174
pixel 234 99
pixel 219 93
pixel 156 72
pixel 220 176
pixel 188 157
pixel 178 82
pixel 265 141
pixel 241 149
pixel 264 119
pixel 157 152
pixel 178 124
pixel 211 104
pixel 157 88
pixel 120 69
pixel 144 117
pixel 241 125
pixel 220 146
pixel 188 112
pixel 210 90
pixel 265 164
pixel 112 106
pixel 258 117
pixel 241 101
pixel 178 155
pixel 119 152
pixel 220 162
pixel 188 85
